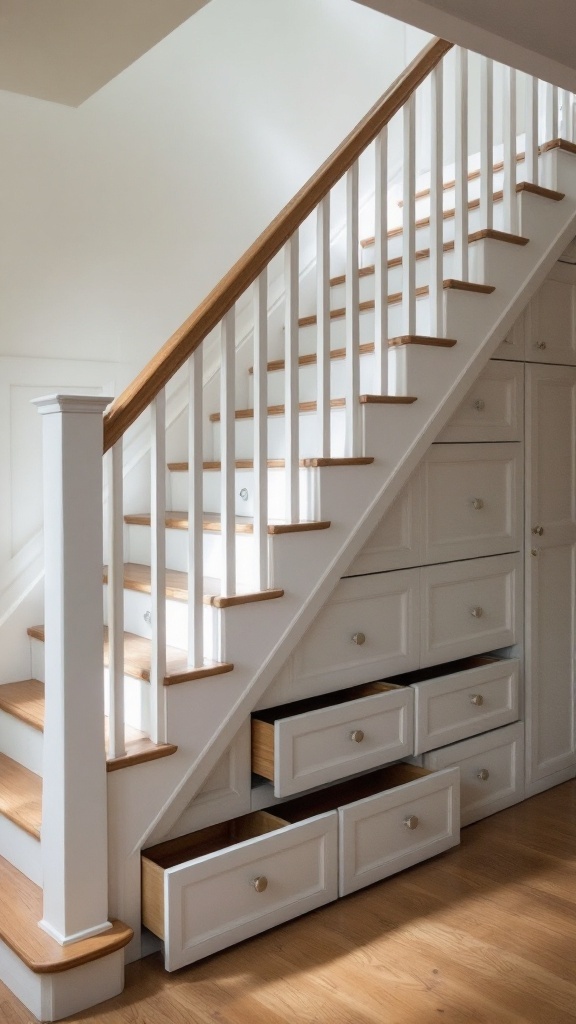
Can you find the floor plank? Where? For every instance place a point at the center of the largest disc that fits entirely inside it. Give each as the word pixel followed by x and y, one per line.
pixel 484 934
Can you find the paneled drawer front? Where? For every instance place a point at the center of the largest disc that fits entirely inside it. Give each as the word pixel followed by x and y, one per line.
pixel 472 498
pixel 469 607
pixel 226 893
pixel 465 703
pixel 396 541
pixel 492 409
pixel 305 745
pixel 368 628
pixel 392 830
pixel 491 770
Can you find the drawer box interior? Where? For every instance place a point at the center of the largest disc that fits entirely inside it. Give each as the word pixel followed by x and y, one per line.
pixel 422 675
pixel 157 859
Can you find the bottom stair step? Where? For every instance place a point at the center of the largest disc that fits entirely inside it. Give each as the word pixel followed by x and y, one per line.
pixel 20 912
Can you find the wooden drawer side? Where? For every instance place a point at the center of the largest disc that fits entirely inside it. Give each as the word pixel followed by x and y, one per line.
pixel 153 897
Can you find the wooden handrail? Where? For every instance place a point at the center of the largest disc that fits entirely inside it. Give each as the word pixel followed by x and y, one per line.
pixel 174 353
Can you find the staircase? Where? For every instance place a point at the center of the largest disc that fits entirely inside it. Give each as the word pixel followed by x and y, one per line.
pixel 278 469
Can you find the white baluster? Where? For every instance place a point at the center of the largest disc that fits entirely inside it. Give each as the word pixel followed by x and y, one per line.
pixel 550 110
pixel 487 144
pixel 323 323
pixel 531 159
pixel 195 512
pixel 566 132
pixel 352 315
pixel 228 450
pixel 409 219
pixel 158 568
pixel 509 178
pixel 291 381
pixel 115 602
pixel 461 160
pixel 261 429
pixel 436 205
pixel 381 263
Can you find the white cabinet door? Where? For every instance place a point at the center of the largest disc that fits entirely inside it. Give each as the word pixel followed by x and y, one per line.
pixel 550 570
pixel 493 409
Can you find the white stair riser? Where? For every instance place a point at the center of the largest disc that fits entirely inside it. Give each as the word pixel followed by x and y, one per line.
pixel 366 284
pixel 137 607
pixel 307 378
pixel 136 702
pixel 396 326
pixel 475 223
pixel 309 437
pixel 21 849
pixel 244 492
pixel 138 547
pixel 21 742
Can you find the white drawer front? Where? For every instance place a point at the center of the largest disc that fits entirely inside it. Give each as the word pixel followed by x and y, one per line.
pixel 491 770
pixel 472 500
pixel 375 837
pixel 396 541
pixel 381 612
pixel 211 902
pixel 469 607
pixel 326 745
pixel 492 409
pixel 452 707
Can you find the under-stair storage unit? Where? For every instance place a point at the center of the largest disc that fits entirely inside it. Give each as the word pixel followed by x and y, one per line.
pixel 207 890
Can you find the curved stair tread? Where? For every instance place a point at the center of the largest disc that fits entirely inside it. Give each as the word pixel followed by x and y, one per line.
pixel 20 796
pixel 137 659
pixel 20 912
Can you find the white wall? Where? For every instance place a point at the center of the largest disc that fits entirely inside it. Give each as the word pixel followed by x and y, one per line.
pixel 119 216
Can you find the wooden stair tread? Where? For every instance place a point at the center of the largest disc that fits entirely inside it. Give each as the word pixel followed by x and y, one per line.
pixel 137 577
pixel 424 222
pixel 248 597
pixel 393 298
pixel 447 186
pixel 278 410
pixel 422 339
pixel 20 796
pixel 243 524
pixel 311 358
pixel 24 700
pixel 139 750
pixel 137 658
pixel 394 261
pixel 182 467
pixel 563 144
pixel 498 236
pixel 20 912
pixel 539 190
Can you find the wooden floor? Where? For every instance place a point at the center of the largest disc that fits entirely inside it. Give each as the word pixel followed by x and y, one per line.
pixel 485 933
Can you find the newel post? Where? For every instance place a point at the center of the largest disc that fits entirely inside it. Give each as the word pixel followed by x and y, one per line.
pixel 74 812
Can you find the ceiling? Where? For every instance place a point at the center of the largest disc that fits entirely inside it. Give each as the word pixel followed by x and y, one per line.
pixel 534 36
pixel 65 50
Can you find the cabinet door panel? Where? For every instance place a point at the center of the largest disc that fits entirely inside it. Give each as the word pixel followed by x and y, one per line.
pixel 552 337
pixel 550 569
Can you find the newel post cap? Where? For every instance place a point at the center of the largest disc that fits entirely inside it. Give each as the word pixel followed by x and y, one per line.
pixel 49 404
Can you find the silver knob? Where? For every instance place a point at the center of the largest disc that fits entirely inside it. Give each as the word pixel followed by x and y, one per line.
pixel 477 612
pixel 477 503
pixel 148 617
pixel 541 345
pixel 534 552
pixel 260 883
pixel 359 638
pixel 479 405
pixel 357 735
pixel 477 700
pixel 538 530
pixel 244 494
pixel 483 775
pixel 411 822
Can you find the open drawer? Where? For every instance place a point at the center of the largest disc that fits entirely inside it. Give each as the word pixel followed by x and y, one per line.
pixel 461 699
pixel 388 820
pixel 212 888
pixel 311 742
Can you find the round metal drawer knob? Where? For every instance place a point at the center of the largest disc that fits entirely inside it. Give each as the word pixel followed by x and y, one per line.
pixel 541 345
pixel 479 405
pixel 359 638
pixel 538 530
pixel 357 735
pixel 477 700
pixel 477 612
pixel 243 494
pixel 412 822
pixel 260 883
pixel 477 503
pixel 483 775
